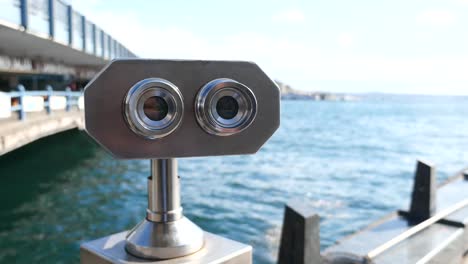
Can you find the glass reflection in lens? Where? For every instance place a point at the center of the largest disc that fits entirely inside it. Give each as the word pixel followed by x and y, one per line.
pixel 155 108
pixel 227 107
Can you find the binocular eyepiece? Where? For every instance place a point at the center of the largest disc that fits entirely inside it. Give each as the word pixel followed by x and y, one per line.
pixel 223 107
pixel 153 108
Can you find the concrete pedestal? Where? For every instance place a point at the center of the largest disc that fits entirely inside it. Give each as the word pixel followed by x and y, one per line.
pixel 111 249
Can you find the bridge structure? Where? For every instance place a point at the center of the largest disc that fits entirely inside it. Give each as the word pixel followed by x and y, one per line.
pixel 48 52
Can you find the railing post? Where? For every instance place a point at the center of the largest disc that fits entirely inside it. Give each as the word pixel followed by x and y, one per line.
pixel 423 200
pixel 94 39
pixel 51 19
pixel 22 90
pixel 83 33
pixel 50 91
pixel 69 97
pixel 70 24
pixel 102 55
pixel 109 54
pixel 300 236
pixel 423 197
pixel 24 13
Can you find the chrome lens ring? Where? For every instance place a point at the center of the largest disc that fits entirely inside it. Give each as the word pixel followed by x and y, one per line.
pixel 167 109
pixel 239 101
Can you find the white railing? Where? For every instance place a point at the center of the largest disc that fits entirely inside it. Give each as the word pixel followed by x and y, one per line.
pixel 23 101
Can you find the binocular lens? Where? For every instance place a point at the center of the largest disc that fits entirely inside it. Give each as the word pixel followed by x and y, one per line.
pixel 155 108
pixel 227 107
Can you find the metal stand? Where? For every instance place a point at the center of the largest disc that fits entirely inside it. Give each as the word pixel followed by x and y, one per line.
pixel 165 236
pixel 165 233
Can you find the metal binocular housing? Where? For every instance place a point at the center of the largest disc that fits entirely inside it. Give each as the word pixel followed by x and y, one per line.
pixel 140 109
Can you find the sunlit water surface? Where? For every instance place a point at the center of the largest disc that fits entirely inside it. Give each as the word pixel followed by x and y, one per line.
pixel 352 162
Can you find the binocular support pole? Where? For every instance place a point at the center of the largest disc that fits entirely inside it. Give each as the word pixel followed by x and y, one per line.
pixel 165 233
pixel 163 192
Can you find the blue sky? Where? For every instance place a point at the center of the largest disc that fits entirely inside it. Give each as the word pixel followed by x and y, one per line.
pixel 398 46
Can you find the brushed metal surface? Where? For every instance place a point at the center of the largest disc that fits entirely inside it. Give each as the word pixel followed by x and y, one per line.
pixel 164 240
pixel 164 233
pixel 104 97
pixel 164 191
pixel 110 249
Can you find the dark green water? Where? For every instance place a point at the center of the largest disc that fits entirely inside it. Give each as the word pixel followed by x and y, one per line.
pixel 351 162
pixel 33 186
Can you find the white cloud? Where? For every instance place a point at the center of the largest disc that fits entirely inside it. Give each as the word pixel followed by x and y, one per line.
pixel 293 61
pixel 346 39
pixel 151 41
pixel 290 16
pixel 436 18
pixel 393 69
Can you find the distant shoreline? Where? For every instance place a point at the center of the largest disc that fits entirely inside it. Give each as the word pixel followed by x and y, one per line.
pixel 319 97
pixel 288 93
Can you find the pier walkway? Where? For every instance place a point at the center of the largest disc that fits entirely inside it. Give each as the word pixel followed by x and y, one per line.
pixel 26 116
pixel 50 49
pixel 15 133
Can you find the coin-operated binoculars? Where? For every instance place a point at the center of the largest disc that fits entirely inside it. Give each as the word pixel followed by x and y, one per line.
pixel 162 110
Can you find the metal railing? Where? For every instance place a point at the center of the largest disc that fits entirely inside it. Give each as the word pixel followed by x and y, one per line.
pixel 417 228
pixel 72 99
pixel 57 20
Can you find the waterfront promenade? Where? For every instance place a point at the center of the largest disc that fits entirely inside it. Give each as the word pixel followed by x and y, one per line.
pixel 15 133
pixel 48 53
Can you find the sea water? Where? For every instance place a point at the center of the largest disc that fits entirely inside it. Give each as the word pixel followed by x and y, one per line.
pixel 350 162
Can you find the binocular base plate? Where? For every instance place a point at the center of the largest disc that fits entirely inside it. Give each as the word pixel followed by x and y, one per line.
pixel 111 249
